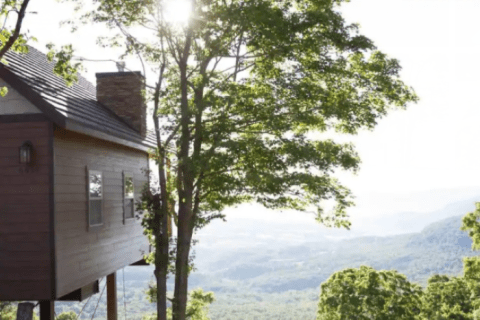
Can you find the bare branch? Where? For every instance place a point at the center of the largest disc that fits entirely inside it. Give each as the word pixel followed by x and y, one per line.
pixel 18 26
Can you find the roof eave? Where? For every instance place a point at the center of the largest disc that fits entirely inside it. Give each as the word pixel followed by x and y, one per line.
pixel 60 120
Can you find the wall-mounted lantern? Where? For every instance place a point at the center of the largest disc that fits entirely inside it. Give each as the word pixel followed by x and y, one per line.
pixel 26 153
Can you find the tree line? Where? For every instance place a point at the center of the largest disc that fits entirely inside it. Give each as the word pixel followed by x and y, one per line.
pixel 365 293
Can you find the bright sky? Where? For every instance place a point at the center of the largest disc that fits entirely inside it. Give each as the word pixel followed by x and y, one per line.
pixel 432 145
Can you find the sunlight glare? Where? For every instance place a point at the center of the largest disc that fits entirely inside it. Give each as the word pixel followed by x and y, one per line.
pixel 178 11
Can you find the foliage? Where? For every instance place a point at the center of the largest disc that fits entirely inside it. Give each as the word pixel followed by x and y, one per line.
pixel 8 311
pixel 63 66
pixel 448 298
pixel 471 269
pixel 241 87
pixel 12 39
pixel 197 307
pixel 471 224
pixel 358 293
pixel 70 315
pixel 147 208
pixel 365 293
pixel 476 314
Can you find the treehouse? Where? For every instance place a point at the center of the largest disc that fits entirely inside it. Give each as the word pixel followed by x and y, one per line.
pixel 73 162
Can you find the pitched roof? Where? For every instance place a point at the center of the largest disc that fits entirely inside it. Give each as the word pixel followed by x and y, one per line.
pixel 75 108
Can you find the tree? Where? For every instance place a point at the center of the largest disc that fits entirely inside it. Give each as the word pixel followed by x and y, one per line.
pixel 471 265
pixel 457 297
pixel 14 40
pixel 365 293
pixel 7 310
pixel 242 94
pixel 448 298
pixel 197 307
pixel 471 224
pixel 70 315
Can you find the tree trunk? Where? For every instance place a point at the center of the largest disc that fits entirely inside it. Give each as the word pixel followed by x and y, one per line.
pixel 161 260
pixel 181 268
pixel 185 192
pixel 161 276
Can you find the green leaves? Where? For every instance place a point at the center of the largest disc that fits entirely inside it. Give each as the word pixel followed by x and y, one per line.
pixel 448 298
pixel 365 293
pixel 63 63
pixel 288 69
pixel 197 308
pixel 471 224
pixel 242 95
pixel 3 91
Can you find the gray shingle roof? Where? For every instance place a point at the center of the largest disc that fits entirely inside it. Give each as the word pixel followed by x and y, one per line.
pixel 75 106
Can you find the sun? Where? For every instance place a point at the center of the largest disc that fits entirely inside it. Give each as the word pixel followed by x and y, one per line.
pixel 177 11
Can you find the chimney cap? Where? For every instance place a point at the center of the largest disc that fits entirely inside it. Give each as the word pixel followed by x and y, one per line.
pixel 120 66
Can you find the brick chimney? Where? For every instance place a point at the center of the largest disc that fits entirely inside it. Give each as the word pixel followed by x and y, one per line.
pixel 121 92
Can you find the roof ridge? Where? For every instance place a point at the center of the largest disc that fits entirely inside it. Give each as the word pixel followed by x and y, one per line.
pixel 91 88
pixel 32 72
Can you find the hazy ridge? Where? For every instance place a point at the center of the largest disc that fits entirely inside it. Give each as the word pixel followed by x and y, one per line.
pixel 279 278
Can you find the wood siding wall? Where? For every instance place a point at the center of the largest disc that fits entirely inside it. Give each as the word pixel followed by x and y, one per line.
pixel 84 256
pixel 15 103
pixel 25 243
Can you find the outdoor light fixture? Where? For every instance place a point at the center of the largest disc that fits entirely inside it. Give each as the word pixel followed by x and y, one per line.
pixel 26 153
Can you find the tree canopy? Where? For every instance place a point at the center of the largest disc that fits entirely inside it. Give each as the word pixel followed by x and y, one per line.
pixel 365 293
pixel 448 298
pixel 243 86
pixel 244 93
pixel 197 307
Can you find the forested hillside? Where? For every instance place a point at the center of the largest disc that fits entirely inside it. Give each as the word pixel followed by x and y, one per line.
pixel 282 282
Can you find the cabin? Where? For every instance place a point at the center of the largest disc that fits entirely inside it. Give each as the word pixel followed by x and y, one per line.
pixel 73 162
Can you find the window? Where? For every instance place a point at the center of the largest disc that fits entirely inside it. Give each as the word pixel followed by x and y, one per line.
pixel 95 198
pixel 128 196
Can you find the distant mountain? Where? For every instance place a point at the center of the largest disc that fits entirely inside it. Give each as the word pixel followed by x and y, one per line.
pixel 409 222
pixel 246 232
pixel 438 248
pixel 283 263
pixel 270 278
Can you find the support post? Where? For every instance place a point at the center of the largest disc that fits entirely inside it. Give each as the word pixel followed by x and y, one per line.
pixel 25 311
pixel 112 296
pixel 47 310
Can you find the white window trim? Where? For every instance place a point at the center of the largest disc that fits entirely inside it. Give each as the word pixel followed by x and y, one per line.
pixel 93 226
pixel 124 176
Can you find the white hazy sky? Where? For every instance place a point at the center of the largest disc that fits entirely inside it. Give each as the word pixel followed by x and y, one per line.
pixel 431 145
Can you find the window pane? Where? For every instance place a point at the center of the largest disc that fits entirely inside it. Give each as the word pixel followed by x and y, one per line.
pixel 95 212
pixel 95 185
pixel 129 209
pixel 128 186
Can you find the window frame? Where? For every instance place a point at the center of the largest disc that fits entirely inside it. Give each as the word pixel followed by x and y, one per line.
pixel 91 227
pixel 125 175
